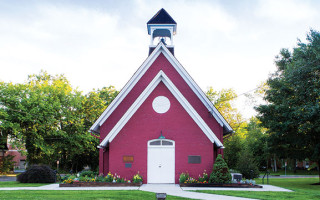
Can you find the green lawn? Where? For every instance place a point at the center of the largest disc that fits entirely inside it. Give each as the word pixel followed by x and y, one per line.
pixel 70 195
pixel 18 184
pixel 298 172
pixel 301 187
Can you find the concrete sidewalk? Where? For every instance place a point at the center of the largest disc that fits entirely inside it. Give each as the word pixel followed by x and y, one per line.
pixel 176 190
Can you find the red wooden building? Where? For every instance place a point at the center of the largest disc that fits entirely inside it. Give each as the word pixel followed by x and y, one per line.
pixel 161 123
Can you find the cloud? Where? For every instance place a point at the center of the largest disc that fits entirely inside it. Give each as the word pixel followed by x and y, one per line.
pixel 76 41
pixel 285 10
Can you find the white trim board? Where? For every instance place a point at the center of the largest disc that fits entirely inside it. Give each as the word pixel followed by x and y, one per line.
pixel 161 77
pixel 161 48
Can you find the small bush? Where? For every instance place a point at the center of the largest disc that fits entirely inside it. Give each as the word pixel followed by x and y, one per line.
pixel 38 174
pixel 109 177
pixel 137 178
pixel 88 173
pixel 7 164
pixel 220 172
pixel 101 178
pixel 183 177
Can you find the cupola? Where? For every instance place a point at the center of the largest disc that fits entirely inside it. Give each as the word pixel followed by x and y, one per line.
pixel 161 28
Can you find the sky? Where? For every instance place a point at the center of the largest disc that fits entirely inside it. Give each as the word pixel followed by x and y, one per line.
pixel 98 43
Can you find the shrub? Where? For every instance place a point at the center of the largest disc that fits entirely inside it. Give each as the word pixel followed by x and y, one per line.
pixel 101 178
pixel 38 174
pixel 137 178
pixel 220 172
pixel 183 177
pixel 7 164
pixel 247 165
pixel 88 173
pixel 109 177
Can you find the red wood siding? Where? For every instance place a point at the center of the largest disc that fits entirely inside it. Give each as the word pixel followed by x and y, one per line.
pixel 145 125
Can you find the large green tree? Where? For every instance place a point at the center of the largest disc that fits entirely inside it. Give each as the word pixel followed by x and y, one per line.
pixel 51 120
pixel 292 112
pixel 223 101
pixel 234 143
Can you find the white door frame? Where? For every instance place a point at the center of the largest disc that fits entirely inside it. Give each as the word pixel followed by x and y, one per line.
pixel 161 143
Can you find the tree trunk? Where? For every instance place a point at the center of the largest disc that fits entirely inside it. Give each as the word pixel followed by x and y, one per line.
pixel 319 169
pixel 275 163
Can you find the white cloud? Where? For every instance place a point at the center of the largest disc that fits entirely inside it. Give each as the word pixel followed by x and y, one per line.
pixel 285 10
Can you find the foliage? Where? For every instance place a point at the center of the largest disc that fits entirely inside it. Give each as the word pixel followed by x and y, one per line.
pixel 191 180
pixel 7 164
pixel 50 119
pixel 37 174
pixel 256 142
pixel 292 114
pixel 90 176
pixel 183 177
pixel 223 101
pixel 137 178
pixel 87 173
pixel 233 145
pixel 247 165
pixel 220 172
pixel 109 177
pixel 204 178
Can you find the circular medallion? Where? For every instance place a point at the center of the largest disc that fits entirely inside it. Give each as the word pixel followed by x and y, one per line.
pixel 161 104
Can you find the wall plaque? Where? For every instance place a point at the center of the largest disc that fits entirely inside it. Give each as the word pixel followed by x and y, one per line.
pixel 194 159
pixel 128 159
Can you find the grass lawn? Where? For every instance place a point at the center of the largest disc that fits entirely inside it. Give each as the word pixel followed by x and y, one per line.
pixel 301 187
pixel 298 172
pixel 18 184
pixel 91 194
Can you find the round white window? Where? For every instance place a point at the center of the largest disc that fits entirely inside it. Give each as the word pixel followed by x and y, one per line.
pixel 161 104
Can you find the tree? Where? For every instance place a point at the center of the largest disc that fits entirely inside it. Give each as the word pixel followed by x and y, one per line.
pixel 256 142
pixel 247 164
pixel 292 114
pixel 233 146
pixel 51 119
pixel 223 101
pixel 220 172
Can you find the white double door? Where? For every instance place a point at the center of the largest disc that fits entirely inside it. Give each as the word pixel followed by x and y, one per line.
pixel 161 164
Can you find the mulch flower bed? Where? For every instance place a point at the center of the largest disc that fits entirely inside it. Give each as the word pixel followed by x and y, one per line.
pixel 98 184
pixel 230 185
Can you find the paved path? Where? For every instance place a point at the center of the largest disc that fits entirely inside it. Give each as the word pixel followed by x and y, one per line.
pixel 265 188
pixel 176 190
pixel 170 189
pixel 8 178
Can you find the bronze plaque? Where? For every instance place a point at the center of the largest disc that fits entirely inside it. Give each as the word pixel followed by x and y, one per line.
pixel 128 159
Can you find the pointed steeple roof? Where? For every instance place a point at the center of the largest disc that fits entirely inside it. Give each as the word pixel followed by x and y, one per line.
pixel 161 17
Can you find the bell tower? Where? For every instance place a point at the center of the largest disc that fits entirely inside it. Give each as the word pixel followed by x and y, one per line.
pixel 161 28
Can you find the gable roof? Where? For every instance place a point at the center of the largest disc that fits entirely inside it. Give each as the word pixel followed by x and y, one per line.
pixel 161 77
pixel 161 17
pixel 161 48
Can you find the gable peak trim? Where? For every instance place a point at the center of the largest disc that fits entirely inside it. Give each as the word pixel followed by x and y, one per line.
pixel 161 77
